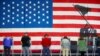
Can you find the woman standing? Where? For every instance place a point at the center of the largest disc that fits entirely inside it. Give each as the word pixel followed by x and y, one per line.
pixel 65 44
pixel 82 46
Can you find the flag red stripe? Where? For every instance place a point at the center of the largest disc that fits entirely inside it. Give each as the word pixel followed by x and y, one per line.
pixel 73 9
pixel 61 0
pixel 33 42
pixel 33 51
pixel 64 9
pixel 74 26
pixel 40 34
pixel 1 43
pixel 78 1
pixel 76 17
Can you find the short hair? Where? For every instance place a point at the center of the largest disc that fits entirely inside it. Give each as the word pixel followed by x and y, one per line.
pixel 25 32
pixel 46 35
pixel 65 37
pixel 81 38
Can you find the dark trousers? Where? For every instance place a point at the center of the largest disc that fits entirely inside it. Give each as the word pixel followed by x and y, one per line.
pixel 82 53
pixel 6 51
pixel 46 51
pixel 98 51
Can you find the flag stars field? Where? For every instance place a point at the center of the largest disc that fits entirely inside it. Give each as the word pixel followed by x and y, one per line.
pixel 30 9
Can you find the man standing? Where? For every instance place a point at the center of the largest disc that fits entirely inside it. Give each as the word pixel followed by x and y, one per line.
pixel 98 45
pixel 65 44
pixel 7 42
pixel 46 43
pixel 25 44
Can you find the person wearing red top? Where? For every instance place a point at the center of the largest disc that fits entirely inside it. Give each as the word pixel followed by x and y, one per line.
pixel 46 43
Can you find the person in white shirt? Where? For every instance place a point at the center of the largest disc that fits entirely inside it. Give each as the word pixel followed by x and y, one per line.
pixel 65 44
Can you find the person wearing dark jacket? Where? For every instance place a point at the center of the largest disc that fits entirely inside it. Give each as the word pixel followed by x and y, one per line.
pixel 46 43
pixel 98 44
pixel 7 42
pixel 25 40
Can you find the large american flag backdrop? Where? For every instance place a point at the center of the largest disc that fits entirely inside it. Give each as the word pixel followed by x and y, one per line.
pixel 57 18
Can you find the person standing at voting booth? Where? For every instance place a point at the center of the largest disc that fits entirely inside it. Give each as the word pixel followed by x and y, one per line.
pixel 7 42
pixel 98 45
pixel 25 40
pixel 46 43
pixel 65 44
pixel 82 46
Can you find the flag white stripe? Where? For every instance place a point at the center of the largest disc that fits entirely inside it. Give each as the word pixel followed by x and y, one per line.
pixel 39 38
pixel 43 30
pixel 33 47
pixel 72 21
pixel 71 5
pixel 39 30
pixel 75 13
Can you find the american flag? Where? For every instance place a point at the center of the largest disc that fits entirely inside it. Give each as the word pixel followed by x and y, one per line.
pixel 57 18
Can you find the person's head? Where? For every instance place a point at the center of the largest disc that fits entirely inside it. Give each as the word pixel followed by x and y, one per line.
pixel 98 36
pixel 46 35
pixel 25 34
pixel 8 37
pixel 81 38
pixel 65 37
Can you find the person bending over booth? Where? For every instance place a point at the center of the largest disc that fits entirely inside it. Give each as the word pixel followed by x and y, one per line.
pixel 65 44
pixel 82 46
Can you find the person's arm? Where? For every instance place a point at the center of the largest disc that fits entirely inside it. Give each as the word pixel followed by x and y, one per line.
pixel 42 42
pixel 29 40
pixel 3 41
pixel 69 44
pixel 21 40
pixel 78 43
pixel 50 41
pixel 61 42
pixel 11 41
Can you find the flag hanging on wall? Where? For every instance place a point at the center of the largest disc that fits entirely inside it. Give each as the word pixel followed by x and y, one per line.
pixel 57 18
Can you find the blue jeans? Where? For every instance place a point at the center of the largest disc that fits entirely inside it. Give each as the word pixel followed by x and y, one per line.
pixel 46 51
pixel 25 51
pixel 7 51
